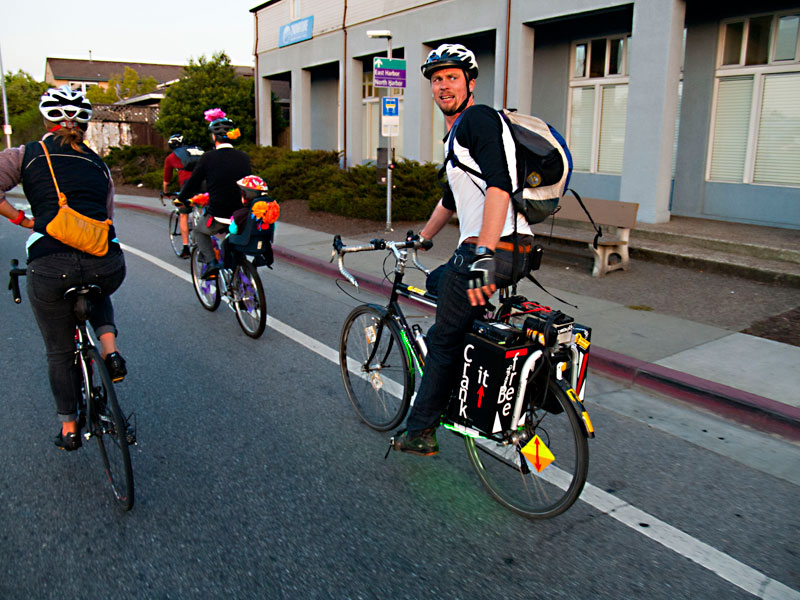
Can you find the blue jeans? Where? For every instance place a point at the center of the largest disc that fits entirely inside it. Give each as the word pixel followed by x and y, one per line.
pixel 49 277
pixel 454 319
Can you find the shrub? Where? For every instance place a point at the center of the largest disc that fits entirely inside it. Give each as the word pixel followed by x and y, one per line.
pixel 138 164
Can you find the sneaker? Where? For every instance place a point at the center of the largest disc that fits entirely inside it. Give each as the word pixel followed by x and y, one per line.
pixel 185 253
pixel 421 443
pixel 69 442
pixel 116 367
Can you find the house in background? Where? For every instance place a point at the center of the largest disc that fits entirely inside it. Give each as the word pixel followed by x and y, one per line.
pixel 82 74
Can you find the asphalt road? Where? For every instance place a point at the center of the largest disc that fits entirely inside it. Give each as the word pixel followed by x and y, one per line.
pixel 254 478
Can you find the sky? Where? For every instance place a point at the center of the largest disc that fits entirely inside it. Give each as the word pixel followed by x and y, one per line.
pixel 153 31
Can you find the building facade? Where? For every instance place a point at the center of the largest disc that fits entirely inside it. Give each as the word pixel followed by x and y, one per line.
pixel 685 107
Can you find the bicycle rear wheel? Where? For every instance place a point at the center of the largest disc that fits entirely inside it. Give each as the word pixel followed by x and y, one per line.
pixel 249 299
pixel 206 289
pixel 175 238
pixel 375 368
pixel 513 480
pixel 111 430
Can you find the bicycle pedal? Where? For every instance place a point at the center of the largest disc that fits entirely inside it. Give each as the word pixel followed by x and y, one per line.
pixel 391 447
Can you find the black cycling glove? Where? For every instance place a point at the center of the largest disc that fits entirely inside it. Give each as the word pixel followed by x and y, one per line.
pixel 424 243
pixel 481 270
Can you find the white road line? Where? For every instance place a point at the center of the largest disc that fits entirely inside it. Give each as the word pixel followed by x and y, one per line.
pixel 719 563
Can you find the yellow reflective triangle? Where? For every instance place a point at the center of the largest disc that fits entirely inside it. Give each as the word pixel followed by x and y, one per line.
pixel 537 454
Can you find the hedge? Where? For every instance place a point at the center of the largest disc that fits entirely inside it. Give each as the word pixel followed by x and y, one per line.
pixel 312 175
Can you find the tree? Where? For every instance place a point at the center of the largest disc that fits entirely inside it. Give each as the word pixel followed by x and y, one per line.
pixel 23 93
pixel 128 85
pixel 207 84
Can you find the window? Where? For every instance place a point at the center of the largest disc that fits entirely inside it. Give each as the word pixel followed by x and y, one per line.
pixel 294 9
pixel 598 104
pixel 371 136
pixel 755 130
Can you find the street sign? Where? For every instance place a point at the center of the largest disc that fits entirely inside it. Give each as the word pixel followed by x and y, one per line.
pixel 389 72
pixel 390 116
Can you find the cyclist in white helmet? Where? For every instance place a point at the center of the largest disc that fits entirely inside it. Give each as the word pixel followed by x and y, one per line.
pixel 54 267
pixel 485 254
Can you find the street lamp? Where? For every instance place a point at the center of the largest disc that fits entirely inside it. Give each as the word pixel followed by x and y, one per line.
pixel 387 35
pixel 7 125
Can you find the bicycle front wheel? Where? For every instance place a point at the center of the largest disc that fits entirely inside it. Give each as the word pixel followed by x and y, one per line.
pixel 207 290
pixel 249 299
pixel 513 480
pixel 175 238
pixel 111 430
pixel 375 368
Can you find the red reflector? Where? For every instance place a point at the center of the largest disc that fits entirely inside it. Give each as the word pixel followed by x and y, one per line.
pixel 519 352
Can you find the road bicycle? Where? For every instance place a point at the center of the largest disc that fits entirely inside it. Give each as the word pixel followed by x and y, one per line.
pixel 516 406
pixel 175 237
pixel 237 284
pixel 99 413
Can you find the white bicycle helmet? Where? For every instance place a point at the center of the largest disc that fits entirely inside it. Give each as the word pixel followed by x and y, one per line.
pixel 66 107
pixel 451 55
pixel 175 140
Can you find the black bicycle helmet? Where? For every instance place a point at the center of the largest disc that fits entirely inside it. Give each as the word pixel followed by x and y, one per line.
pixel 66 107
pixel 175 140
pixel 451 55
pixel 220 128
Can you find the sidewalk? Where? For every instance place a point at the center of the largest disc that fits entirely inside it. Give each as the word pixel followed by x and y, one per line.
pixel 750 379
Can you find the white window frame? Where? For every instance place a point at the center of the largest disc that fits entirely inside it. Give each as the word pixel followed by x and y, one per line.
pixel 598 83
pixel 758 72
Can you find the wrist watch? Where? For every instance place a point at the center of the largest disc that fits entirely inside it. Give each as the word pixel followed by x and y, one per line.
pixel 483 251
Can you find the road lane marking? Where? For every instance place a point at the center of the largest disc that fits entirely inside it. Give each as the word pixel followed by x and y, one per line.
pixel 708 557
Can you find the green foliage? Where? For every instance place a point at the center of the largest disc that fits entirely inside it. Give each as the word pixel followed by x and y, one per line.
pixel 22 95
pixel 138 164
pixel 312 175
pixel 121 87
pixel 208 84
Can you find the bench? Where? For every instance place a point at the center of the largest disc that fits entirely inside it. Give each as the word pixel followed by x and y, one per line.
pixel 612 246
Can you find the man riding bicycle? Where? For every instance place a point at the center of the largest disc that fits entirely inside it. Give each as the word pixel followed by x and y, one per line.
pixel 485 255
pixel 220 168
pixel 182 158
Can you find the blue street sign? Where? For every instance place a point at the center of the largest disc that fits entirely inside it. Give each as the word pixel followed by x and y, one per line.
pixel 390 107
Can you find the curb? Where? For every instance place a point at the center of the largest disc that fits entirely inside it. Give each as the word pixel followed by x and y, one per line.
pixel 750 409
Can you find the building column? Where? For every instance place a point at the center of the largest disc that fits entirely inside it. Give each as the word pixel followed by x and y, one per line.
pixel 301 109
pixel 264 112
pixel 355 73
pixel 417 112
pixel 520 65
pixel 655 63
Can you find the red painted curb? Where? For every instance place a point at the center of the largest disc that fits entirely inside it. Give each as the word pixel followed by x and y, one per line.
pixel 750 409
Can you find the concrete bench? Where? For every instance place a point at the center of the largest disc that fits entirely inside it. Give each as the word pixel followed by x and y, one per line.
pixel 612 249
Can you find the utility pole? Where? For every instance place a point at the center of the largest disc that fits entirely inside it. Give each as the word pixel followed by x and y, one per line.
pixel 7 125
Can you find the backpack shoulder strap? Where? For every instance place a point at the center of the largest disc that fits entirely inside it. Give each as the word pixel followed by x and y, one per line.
pixel 451 155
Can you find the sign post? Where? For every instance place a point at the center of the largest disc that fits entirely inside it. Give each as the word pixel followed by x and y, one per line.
pixel 389 73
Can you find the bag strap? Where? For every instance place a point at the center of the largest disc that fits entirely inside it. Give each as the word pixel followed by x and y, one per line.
pixel 62 199
pixel 597 228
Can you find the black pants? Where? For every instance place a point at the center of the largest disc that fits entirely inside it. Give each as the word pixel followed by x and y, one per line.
pixel 49 277
pixel 454 319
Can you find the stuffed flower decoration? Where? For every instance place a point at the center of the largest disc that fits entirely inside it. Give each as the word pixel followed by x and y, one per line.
pixel 233 134
pixel 212 114
pixel 266 212
pixel 199 199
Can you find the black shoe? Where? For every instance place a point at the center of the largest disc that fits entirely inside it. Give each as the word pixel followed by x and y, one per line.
pixel 69 442
pixel 422 443
pixel 185 253
pixel 212 270
pixel 116 367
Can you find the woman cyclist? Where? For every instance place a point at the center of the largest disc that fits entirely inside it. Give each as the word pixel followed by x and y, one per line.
pixel 54 267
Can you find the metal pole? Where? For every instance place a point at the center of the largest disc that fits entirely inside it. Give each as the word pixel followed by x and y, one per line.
pixel 7 126
pixel 389 165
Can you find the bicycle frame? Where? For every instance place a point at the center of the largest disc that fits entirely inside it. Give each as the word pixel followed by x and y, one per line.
pixel 417 351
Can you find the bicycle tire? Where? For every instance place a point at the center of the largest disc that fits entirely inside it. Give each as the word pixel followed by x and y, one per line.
pixel 175 239
pixel 380 395
pixel 250 301
pixel 207 290
pixel 517 486
pixel 110 429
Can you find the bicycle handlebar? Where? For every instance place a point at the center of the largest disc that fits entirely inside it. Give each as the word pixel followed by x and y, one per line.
pixel 13 280
pixel 163 195
pixel 397 248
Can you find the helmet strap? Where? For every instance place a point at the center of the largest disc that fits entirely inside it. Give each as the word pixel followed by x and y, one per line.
pixel 54 128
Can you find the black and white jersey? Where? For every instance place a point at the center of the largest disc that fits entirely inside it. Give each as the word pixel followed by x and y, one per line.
pixel 483 143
